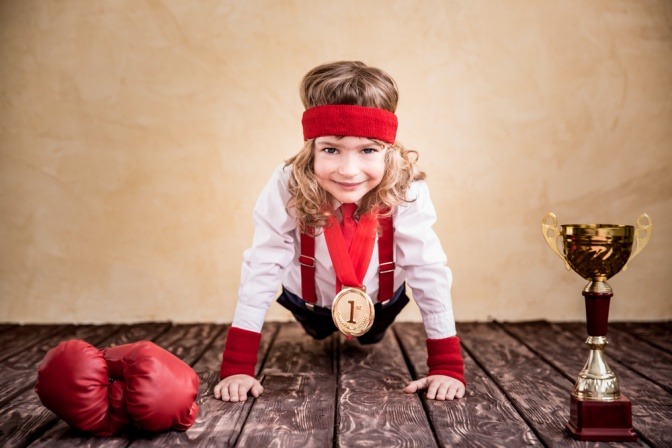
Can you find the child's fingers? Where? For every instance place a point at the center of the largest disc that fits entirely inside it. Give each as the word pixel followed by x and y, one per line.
pixel 460 391
pixel 453 390
pixel 416 385
pixel 236 387
pixel 257 389
pixel 226 396
pixel 242 392
pixel 411 387
pixel 444 392
pixel 233 391
pixel 432 389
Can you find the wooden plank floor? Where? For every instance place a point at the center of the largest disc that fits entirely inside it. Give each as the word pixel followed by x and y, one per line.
pixel 338 393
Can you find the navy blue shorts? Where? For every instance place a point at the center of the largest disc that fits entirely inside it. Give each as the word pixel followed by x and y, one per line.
pixel 318 322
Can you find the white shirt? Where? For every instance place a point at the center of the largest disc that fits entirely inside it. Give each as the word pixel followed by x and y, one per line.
pixel 273 260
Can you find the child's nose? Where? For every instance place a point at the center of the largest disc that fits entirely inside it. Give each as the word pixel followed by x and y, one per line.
pixel 349 165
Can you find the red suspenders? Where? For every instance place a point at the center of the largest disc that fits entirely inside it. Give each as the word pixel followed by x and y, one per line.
pixel 386 260
pixel 307 262
pixel 385 268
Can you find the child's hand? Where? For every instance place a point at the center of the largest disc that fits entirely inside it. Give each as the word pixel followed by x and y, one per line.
pixel 439 387
pixel 235 388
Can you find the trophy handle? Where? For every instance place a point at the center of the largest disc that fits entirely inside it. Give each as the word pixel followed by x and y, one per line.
pixel 645 225
pixel 551 235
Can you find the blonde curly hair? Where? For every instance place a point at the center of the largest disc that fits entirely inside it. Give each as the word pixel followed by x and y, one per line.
pixel 352 83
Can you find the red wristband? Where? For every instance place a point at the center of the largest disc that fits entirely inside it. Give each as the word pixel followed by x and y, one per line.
pixel 240 352
pixel 444 357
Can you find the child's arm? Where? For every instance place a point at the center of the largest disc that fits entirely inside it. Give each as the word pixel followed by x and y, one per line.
pixel 238 363
pixel 445 380
pixel 420 254
pixel 272 249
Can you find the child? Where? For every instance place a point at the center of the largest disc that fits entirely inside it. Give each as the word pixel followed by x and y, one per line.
pixel 309 238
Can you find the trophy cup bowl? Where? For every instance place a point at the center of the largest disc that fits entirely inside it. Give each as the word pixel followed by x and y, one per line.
pixel 597 252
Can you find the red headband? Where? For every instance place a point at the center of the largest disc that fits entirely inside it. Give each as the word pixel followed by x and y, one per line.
pixel 347 120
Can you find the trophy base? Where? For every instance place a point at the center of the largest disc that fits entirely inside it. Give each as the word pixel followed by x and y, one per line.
pixel 609 421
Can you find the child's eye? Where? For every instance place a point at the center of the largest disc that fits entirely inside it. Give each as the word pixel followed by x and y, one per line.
pixel 369 150
pixel 330 150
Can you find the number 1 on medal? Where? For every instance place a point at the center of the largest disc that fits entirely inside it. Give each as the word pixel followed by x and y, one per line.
pixel 352 311
pixel 348 302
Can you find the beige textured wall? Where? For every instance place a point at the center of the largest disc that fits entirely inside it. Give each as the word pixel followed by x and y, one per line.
pixel 135 136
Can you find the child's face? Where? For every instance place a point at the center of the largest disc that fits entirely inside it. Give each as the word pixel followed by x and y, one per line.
pixel 348 167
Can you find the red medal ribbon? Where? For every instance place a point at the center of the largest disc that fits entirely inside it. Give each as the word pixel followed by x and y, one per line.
pixel 351 266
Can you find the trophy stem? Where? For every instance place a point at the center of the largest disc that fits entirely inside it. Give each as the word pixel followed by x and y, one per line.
pixel 598 411
pixel 598 296
pixel 596 380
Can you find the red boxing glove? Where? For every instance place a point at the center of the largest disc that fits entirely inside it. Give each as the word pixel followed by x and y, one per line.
pixel 444 357
pixel 73 382
pixel 161 389
pixel 240 352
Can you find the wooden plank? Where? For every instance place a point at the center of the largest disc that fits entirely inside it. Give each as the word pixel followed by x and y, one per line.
pixel 566 352
pixel 648 361
pixel 658 334
pixel 535 388
pixel 295 352
pixel 373 410
pixel 18 338
pixel 218 423
pixel 484 417
pixel 294 410
pixel 188 341
pixel 297 406
pixel 24 418
pixel 17 373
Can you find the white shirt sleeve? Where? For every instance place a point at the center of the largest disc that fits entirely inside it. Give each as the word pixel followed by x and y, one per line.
pixel 272 249
pixel 421 256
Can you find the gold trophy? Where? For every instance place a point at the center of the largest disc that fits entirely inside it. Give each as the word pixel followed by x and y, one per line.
pixel 597 252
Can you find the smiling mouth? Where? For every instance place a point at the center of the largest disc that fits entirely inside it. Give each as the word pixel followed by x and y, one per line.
pixel 348 185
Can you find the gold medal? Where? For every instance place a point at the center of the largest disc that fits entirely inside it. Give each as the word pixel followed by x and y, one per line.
pixel 352 311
